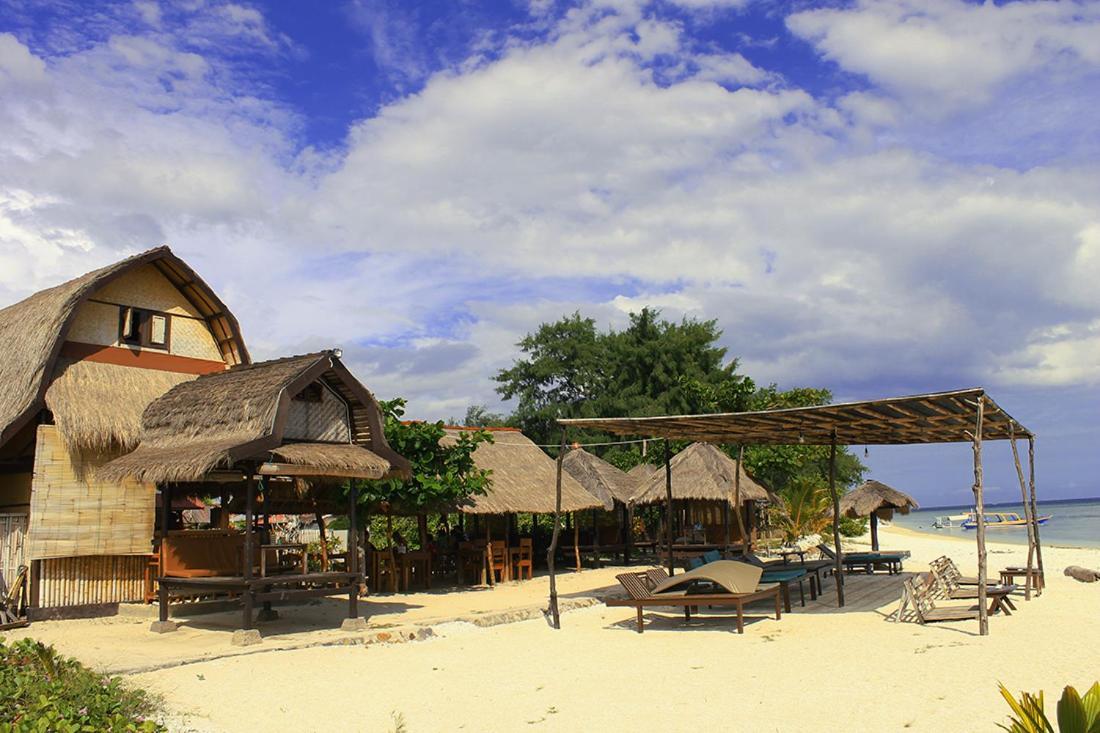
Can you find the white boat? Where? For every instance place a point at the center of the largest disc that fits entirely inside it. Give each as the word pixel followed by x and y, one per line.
pixel 950 520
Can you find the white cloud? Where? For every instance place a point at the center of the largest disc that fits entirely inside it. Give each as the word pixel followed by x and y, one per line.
pixel 949 52
pixel 556 175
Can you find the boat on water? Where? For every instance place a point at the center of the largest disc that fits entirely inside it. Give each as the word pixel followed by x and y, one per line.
pixel 950 520
pixel 1001 519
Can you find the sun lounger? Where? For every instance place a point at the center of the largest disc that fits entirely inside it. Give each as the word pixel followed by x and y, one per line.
pixel 947 567
pixel 868 562
pixel 918 594
pixel 815 570
pixel 945 587
pixel 784 576
pixel 738 584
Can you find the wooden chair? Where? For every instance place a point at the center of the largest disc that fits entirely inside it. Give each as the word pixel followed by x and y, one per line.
pixel 383 571
pixel 945 585
pixel 523 560
pixel 471 562
pixel 498 560
pixel 919 594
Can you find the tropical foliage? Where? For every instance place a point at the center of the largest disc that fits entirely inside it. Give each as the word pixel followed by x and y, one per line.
pixel 40 690
pixel 1076 713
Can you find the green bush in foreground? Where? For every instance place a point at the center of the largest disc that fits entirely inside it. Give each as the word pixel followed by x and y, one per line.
pixel 1076 714
pixel 40 690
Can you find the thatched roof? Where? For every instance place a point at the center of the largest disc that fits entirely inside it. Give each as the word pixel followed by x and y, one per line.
pixel 33 330
pixel 702 472
pixel 599 478
pixel 871 496
pixel 335 457
pixel 523 478
pixel 641 472
pixel 240 414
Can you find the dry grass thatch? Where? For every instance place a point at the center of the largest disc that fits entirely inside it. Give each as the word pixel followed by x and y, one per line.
pixel 599 478
pixel 523 478
pixel 33 330
pixel 196 426
pixel 344 457
pixel 97 407
pixel 701 472
pixel 873 496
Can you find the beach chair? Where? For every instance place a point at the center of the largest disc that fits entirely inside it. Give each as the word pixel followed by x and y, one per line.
pixel 918 594
pixel 498 561
pixel 738 584
pixel 868 562
pixel 950 570
pixel 786 572
pixel 13 600
pixel 944 586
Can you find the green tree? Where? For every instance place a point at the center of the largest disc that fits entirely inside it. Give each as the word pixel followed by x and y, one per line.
pixel 442 475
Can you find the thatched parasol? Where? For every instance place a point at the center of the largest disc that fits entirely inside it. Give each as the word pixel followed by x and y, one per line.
pixel 599 478
pixel 703 472
pixel 523 477
pixel 875 499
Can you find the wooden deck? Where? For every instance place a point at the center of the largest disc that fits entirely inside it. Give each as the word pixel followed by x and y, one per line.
pixel 879 593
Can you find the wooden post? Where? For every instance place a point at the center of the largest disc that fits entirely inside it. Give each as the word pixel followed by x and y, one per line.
pixel 726 526
pixel 1035 509
pixel 323 535
pixel 555 617
pixel 489 549
pixel 628 532
pixel 422 529
pixel 839 565
pixel 1029 578
pixel 979 509
pixel 577 540
pixel 249 542
pixel 596 537
pixel 223 516
pixel 165 509
pixel 740 510
pixel 668 512
pixel 874 531
pixel 353 549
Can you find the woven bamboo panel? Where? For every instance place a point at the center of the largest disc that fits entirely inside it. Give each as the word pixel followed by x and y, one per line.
pixel 72 514
pixel 79 581
pixel 324 421
pixel 147 287
pixel 13 534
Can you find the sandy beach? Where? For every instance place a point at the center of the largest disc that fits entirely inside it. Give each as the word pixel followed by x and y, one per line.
pixel 819 668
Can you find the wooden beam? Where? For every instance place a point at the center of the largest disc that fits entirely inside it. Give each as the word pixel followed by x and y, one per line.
pixel 294 469
pixel 979 509
pixel 668 510
pixel 1035 508
pixel 1029 578
pixel 738 509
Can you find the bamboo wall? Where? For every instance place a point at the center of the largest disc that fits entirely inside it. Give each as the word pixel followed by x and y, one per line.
pixel 79 581
pixel 326 420
pixel 13 534
pixel 74 515
pixel 145 287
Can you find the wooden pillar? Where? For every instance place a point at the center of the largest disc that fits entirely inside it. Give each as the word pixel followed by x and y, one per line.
pixel 223 515
pixel 1035 508
pixel 165 508
pixel 874 531
pixel 668 504
pixel 726 525
pixel 596 537
pixel 249 542
pixel 323 536
pixel 555 617
pixel 839 565
pixel 979 509
pixel 577 540
pixel 746 543
pixel 266 614
pixel 628 532
pixel 489 549
pixel 353 549
pixel 422 529
pixel 1030 577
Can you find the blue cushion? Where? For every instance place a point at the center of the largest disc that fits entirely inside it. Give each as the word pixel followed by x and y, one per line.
pixel 781 576
pixel 712 556
pixel 695 562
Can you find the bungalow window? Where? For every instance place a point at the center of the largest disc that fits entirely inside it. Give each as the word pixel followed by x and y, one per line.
pixel 139 327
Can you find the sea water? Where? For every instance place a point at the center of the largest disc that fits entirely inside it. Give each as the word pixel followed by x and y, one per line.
pixel 1073 523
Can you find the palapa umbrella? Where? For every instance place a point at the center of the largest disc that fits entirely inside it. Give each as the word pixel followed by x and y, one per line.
pixel 875 499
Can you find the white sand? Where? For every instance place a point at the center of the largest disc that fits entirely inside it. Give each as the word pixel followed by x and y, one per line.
pixel 819 668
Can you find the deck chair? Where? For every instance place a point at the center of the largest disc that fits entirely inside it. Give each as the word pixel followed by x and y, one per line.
pixel 918 594
pixel 13 600
pixel 944 586
pixel 867 561
pixel 787 572
pixel 947 567
pixel 737 584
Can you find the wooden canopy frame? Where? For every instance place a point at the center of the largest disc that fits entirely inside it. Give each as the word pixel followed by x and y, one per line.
pixel 961 416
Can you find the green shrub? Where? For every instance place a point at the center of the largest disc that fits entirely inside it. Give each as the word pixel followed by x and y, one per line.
pixel 40 690
pixel 1076 714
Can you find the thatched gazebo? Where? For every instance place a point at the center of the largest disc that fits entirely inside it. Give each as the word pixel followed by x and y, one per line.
pixel 610 485
pixel 705 479
pixel 877 500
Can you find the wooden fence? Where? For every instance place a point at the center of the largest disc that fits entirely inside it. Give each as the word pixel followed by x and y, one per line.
pixel 90 580
pixel 13 535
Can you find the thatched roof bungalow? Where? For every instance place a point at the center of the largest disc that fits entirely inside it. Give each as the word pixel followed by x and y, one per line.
pixel 702 472
pixel 599 478
pixel 523 478
pixel 876 500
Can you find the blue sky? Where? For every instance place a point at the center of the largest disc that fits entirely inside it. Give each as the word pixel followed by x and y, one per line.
pixel 878 197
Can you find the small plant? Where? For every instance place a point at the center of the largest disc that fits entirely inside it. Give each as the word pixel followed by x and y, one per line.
pixel 40 690
pixel 1076 714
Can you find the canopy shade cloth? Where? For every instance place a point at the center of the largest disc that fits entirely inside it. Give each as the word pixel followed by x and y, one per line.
pixel 940 417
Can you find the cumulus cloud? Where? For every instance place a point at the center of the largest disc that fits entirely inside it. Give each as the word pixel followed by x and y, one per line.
pixel 603 165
